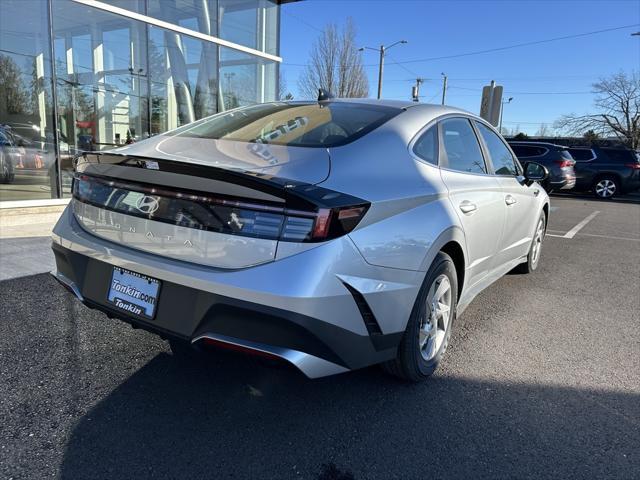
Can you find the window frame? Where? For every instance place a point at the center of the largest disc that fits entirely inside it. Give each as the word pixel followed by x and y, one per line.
pixel 514 157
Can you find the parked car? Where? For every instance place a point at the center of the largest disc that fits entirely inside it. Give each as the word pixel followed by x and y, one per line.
pixel 556 158
pixel 10 154
pixel 606 171
pixel 333 234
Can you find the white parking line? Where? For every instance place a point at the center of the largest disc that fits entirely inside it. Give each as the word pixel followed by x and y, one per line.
pixel 572 233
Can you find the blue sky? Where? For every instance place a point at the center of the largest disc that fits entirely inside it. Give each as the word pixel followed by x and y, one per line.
pixel 546 80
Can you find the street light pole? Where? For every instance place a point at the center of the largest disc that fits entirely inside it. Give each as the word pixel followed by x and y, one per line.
pixel 501 109
pixel 444 86
pixel 382 51
pixel 380 71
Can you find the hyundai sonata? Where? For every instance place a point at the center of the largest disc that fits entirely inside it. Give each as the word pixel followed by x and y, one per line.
pixel 333 234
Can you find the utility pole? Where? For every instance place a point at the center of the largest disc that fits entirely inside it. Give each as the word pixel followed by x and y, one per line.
pixel 502 104
pixel 380 71
pixel 444 86
pixel 415 90
pixel 382 51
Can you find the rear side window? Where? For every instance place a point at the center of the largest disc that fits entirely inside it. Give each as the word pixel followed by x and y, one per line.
pixel 564 153
pixel 460 146
pixel 292 124
pixel 501 157
pixel 427 146
pixel 581 154
pixel 527 151
pixel 620 156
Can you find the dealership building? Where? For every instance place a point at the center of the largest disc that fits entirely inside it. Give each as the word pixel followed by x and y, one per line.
pixel 79 75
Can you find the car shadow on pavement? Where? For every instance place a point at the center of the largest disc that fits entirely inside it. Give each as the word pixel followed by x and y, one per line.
pixel 228 418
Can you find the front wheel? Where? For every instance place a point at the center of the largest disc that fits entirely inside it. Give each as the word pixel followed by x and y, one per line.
pixel 429 328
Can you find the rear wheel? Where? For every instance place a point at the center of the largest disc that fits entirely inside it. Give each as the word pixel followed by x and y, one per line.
pixel 606 187
pixel 429 328
pixel 533 258
pixel 6 174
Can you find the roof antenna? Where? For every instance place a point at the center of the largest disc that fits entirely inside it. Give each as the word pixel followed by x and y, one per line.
pixel 324 95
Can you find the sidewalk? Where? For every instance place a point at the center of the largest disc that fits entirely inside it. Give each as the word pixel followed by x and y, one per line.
pixel 25 243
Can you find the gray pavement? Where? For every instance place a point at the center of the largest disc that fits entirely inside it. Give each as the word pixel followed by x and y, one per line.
pixel 542 380
pixel 25 256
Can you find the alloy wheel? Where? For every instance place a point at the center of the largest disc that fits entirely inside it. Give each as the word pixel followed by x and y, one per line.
pixel 537 242
pixel 433 329
pixel 605 188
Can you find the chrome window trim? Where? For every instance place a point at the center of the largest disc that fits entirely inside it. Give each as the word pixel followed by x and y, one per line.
pixel 176 28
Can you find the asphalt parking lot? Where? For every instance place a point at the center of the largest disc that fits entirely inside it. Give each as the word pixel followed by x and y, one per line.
pixel 542 380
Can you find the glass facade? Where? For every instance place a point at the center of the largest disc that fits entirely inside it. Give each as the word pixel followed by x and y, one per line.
pixel 75 77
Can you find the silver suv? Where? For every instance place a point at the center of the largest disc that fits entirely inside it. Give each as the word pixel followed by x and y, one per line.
pixel 334 234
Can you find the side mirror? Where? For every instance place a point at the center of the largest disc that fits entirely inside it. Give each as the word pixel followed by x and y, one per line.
pixel 534 172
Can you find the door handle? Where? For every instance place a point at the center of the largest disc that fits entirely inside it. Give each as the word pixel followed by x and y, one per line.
pixel 467 207
pixel 510 200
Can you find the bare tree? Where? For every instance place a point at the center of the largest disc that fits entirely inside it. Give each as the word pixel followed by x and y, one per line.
pixel 618 104
pixel 283 92
pixel 335 65
pixel 543 131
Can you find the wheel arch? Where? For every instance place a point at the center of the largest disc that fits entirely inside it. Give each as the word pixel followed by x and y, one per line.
pixel 452 242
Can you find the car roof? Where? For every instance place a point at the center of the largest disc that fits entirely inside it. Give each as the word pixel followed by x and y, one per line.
pixel 402 104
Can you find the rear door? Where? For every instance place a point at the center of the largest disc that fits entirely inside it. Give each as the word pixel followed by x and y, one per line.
pixel 586 166
pixel 474 193
pixel 518 197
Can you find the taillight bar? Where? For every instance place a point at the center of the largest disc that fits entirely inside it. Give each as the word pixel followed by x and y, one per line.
pixel 204 211
pixel 635 166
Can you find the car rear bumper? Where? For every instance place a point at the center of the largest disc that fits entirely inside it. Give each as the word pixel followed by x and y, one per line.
pixel 298 308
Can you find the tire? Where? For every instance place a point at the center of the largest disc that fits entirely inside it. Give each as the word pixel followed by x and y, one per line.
pixel 533 257
pixel 606 187
pixel 421 350
pixel 6 175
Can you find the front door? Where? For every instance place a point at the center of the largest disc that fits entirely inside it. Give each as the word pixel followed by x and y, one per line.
pixel 519 198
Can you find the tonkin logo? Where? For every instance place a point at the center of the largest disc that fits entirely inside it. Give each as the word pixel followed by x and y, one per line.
pixel 147 204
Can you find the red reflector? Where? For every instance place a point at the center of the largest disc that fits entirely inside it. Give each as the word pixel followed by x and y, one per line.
pixel 635 166
pixel 238 348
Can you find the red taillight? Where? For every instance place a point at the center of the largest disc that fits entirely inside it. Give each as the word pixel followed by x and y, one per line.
pixel 565 163
pixel 635 166
pixel 334 222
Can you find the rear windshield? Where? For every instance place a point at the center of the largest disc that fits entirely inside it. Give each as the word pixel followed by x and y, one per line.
pixel 294 125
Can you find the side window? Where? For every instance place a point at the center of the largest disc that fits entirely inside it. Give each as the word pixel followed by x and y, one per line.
pixel 427 146
pixel 524 151
pixel 581 154
pixel 460 146
pixel 501 157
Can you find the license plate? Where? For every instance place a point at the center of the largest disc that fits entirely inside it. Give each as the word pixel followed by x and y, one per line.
pixel 134 293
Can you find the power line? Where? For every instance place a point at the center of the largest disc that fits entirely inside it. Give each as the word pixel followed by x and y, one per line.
pixel 497 49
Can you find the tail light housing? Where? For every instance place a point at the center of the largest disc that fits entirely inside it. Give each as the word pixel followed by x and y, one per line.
pixel 635 166
pixel 564 163
pixel 222 214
